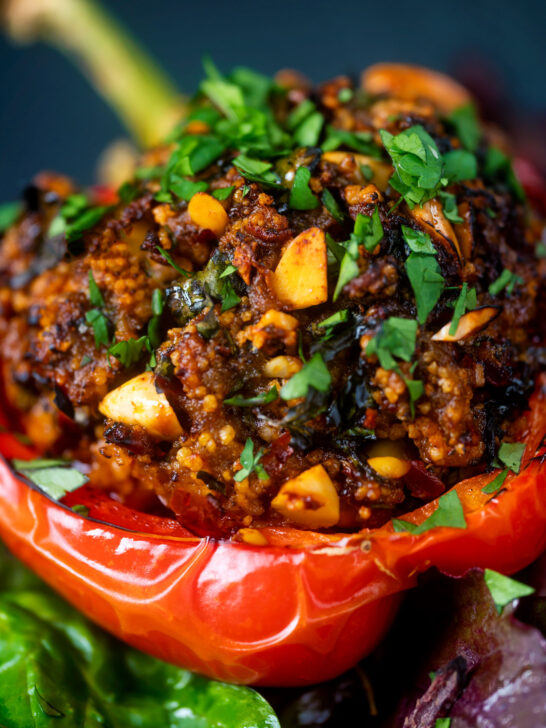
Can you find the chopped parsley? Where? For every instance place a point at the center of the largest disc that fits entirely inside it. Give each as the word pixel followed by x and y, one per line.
pixel 449 204
pixel 396 337
pixel 423 271
pixel 251 463
pixel 340 317
pixel 100 324
pixel 367 231
pixel 154 324
pixel 448 514
pixel 257 170
pixel 95 296
pixel 222 193
pixel 301 197
pixel 416 389
pixel 509 454
pixel 129 351
pixel 442 723
pixel 55 477
pixel 358 141
pixel 330 203
pixel 497 482
pixel 186 189
pixel 168 257
pixel 345 95
pixel 465 122
pixel 498 168
pixel 264 398
pixel 229 297
pixel 9 212
pixel 307 134
pixel 313 375
pixel 507 280
pixel 503 589
pixel 75 217
pixel 540 250
pixel 419 168
pixel 467 301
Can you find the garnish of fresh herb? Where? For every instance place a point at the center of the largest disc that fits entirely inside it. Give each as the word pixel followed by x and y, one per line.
pixel 509 454
pixel 449 513
pixel 330 203
pixel 498 168
pixel 314 374
pixel 466 301
pixel 367 231
pixel 301 197
pixel 129 351
pixel 95 296
pixel 257 170
pixel 154 324
pixel 503 589
pixel 251 463
pixel 465 122
pixel 264 398
pixel 222 193
pixel 98 321
pixel 360 141
pixel 55 477
pixel 449 204
pixel 75 217
pixel 507 280
pixel 171 262
pixel 423 272
pixel 9 212
pixel 230 299
pixel 396 338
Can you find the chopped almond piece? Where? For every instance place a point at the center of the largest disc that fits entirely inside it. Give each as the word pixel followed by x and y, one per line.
pixel 310 500
pixel 300 279
pixel 471 323
pixel 431 217
pixel 137 402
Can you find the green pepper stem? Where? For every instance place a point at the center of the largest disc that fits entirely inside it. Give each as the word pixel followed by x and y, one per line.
pixel 140 93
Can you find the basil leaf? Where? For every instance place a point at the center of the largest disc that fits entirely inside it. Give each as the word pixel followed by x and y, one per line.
pixel 264 398
pixel 301 197
pixel 503 589
pixel 59 668
pixel 467 127
pixel 9 212
pixel 497 482
pixel 54 477
pixel 314 374
pixel 449 513
pixel 330 203
pixel 511 453
pixel 396 337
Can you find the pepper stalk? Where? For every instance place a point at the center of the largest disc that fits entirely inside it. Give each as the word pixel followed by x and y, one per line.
pixel 141 94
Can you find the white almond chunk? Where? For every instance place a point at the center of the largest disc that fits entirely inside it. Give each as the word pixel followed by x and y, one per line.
pixel 471 323
pixel 309 500
pixel 301 277
pixel 137 402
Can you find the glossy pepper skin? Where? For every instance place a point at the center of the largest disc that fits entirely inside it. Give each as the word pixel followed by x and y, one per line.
pixel 300 610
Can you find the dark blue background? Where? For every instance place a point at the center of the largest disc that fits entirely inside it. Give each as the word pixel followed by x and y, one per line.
pixel 50 118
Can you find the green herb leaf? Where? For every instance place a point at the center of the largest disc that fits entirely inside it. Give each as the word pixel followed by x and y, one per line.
pixel 314 374
pixel 498 168
pixel 128 192
pixel 507 280
pixel 418 241
pixel 449 204
pixel 158 302
pixel 359 141
pixel 335 319
pixel 459 165
pixel 503 589
pixel 229 297
pixel 467 126
pixel 95 296
pixel 467 301
pixel 9 212
pixel 308 132
pixel 301 197
pixel 397 337
pixel 367 231
pixel 100 325
pixel 345 95
pixel 330 203
pixel 427 282
pixel 497 482
pixel 257 171
pixel 129 351
pixel 449 513
pixel 55 477
pixel 510 454
pixel 170 261
pixel 146 173
pixel 264 398
pixel 57 667
pixel 222 193
pixel 251 463
pixel 540 250
pixel 442 723
pixel 186 188
pixel 416 389
pixel 349 268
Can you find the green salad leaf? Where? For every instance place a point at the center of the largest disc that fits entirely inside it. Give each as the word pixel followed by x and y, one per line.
pixel 60 671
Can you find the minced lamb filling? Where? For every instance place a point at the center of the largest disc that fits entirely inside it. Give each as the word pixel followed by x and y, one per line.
pixel 312 307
